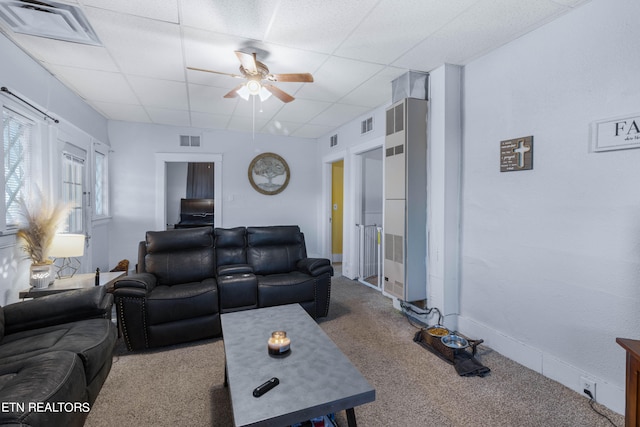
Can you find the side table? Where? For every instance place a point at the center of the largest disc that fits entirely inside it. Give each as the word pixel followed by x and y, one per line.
pixel 78 281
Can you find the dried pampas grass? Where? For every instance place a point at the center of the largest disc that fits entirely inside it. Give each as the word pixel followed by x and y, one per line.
pixel 41 219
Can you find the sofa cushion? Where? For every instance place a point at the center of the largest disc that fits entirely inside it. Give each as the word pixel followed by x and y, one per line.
pixel 92 340
pixel 180 256
pixel 185 301
pixel 55 379
pixel 1 323
pixel 230 244
pixel 289 288
pixel 273 250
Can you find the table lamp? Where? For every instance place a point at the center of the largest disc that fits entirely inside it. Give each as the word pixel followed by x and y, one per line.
pixel 68 247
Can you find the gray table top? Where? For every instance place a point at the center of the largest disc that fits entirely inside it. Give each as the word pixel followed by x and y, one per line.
pixel 316 378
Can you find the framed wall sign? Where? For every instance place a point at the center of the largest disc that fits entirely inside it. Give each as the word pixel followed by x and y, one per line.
pixel 516 154
pixel 619 133
pixel 269 174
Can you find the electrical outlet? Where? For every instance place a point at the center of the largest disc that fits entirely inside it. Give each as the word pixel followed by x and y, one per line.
pixel 588 385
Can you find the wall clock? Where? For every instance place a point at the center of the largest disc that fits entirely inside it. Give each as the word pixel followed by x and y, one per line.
pixel 269 174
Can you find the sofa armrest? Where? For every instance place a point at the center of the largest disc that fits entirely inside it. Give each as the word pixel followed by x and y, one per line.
pixel 56 309
pixel 226 270
pixel 315 266
pixel 135 285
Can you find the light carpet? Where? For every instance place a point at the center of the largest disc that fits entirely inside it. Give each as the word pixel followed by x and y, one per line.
pixel 183 385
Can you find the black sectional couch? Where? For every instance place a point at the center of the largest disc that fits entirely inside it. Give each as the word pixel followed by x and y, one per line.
pixel 55 354
pixel 186 278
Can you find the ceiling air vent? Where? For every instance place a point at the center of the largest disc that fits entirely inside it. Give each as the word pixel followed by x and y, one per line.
pixel 366 125
pixel 189 141
pixel 48 19
pixel 333 141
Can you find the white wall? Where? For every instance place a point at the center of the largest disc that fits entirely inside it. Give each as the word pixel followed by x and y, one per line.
pixel 79 124
pixel 133 181
pixel 551 257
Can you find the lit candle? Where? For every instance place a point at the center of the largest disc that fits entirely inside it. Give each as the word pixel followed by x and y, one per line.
pixel 279 343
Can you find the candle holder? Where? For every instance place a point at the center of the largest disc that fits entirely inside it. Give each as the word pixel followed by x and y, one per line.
pixel 279 344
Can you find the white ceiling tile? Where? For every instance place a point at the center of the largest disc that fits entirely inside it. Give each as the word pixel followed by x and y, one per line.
pixel 483 27
pixel 338 114
pixel 316 25
pixel 169 117
pixel 209 121
pixel 276 127
pixel 246 124
pixel 301 110
pixel 312 131
pixel 59 52
pixel 124 112
pixel 376 91
pixel 141 46
pixel 160 93
pixel 163 10
pixel 389 31
pixel 249 18
pixel 96 85
pixel 336 78
pixel 207 99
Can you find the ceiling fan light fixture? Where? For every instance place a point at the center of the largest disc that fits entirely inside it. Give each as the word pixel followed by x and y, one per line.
pixel 244 92
pixel 253 86
pixel 264 94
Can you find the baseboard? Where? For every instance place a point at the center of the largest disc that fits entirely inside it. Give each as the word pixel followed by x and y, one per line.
pixel 610 395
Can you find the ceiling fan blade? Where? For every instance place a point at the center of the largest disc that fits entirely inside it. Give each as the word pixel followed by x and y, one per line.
pixel 237 76
pixel 279 93
pixel 248 62
pixel 234 92
pixel 293 77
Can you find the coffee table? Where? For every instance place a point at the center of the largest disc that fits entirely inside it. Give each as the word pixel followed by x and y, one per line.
pixel 316 378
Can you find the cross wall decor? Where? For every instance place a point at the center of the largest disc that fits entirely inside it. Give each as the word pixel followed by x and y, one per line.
pixel 516 154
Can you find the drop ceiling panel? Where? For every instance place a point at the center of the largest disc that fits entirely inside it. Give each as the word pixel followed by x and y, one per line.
pixel 245 124
pixel 207 99
pixel 66 53
pixel 209 121
pixel 301 110
pixel 319 26
pixel 160 93
pixel 376 41
pixel 248 19
pixel 338 114
pixel 169 117
pixel 312 131
pixel 141 46
pixel 481 28
pixel 162 10
pixel 123 112
pixel 276 127
pixel 376 91
pixel 336 78
pixel 96 85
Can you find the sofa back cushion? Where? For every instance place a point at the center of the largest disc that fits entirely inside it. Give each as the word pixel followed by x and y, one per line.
pixel 180 256
pixel 1 323
pixel 231 246
pixel 275 249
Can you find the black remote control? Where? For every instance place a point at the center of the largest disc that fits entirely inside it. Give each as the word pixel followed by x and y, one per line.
pixel 263 388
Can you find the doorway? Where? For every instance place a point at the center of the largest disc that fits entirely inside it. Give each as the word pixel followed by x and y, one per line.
pixel 337 210
pixel 369 216
pixel 164 161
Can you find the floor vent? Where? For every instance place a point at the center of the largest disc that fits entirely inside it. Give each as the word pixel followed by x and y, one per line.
pixel 48 19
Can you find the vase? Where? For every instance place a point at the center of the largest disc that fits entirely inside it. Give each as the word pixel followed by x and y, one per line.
pixel 41 275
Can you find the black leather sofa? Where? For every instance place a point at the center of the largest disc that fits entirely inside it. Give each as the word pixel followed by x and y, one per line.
pixel 186 278
pixel 55 354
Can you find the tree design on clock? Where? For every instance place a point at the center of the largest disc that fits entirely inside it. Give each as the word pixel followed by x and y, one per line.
pixel 269 174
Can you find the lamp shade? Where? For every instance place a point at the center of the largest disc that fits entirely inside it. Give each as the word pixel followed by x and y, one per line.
pixel 67 246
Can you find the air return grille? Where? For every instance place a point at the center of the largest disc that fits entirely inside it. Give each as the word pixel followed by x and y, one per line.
pixel 48 19
pixel 189 141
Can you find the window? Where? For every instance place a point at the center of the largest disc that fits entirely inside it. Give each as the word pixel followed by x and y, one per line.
pixel 72 182
pixel 17 134
pixel 101 185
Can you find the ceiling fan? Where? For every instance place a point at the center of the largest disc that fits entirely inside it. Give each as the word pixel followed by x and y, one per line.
pixel 259 79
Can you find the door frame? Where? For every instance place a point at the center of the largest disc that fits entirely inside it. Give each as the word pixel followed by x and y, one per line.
pixel 161 182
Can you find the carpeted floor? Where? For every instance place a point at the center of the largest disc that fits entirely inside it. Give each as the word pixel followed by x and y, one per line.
pixel 183 385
